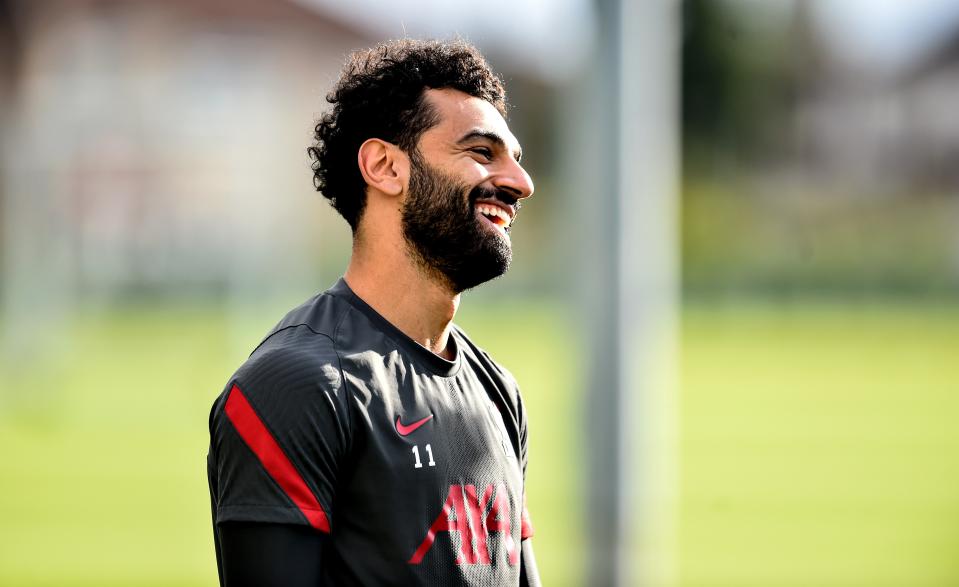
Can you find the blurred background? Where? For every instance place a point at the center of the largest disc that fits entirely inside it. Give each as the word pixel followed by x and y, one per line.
pixel 157 218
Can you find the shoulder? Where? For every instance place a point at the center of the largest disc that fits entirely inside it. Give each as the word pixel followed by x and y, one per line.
pixel 292 356
pixel 294 374
pixel 291 386
pixel 479 357
pixel 501 385
pixel 296 368
pixel 302 344
pixel 321 315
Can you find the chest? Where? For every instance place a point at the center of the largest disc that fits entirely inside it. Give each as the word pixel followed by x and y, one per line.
pixel 420 433
pixel 435 472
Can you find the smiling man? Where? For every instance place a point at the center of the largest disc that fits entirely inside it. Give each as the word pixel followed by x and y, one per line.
pixel 367 440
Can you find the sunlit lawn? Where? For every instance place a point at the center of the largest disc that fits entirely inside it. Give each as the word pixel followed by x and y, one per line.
pixel 819 444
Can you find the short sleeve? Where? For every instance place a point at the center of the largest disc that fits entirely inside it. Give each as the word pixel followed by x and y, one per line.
pixel 279 433
pixel 526 524
pixel 523 434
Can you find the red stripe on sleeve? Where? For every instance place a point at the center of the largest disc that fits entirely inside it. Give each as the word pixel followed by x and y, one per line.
pixel 274 460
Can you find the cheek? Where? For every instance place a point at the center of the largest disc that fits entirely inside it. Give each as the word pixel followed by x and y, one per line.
pixel 471 171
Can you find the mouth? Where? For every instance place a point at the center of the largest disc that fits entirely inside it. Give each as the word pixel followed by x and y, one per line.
pixel 498 216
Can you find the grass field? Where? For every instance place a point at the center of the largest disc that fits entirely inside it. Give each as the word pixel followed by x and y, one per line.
pixel 818 445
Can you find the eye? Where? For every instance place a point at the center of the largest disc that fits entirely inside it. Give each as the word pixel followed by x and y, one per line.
pixel 483 152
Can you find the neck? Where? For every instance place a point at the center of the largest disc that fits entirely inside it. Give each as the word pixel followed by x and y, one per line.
pixel 417 304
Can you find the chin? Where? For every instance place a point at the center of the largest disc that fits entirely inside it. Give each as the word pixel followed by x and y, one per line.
pixel 478 269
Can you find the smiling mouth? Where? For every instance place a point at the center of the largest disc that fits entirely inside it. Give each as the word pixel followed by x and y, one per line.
pixel 495 215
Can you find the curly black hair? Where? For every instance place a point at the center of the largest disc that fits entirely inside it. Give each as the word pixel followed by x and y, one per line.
pixel 381 94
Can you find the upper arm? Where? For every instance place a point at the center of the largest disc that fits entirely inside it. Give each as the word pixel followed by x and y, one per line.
pixel 265 555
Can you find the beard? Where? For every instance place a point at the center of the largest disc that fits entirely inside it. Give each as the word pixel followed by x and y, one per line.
pixel 444 234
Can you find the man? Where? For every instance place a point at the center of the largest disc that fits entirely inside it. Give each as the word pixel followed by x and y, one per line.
pixel 367 440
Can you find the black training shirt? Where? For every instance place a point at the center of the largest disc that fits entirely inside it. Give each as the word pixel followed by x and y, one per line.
pixel 413 465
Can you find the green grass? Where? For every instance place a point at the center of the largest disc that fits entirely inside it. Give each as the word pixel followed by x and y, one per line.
pixel 818 444
pixel 102 481
pixel 102 478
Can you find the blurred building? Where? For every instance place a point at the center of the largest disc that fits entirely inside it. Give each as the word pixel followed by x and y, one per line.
pixel 893 130
pixel 148 142
pixel 159 149
pixel 930 91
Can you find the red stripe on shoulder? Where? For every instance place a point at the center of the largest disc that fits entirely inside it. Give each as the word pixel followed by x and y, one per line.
pixel 255 434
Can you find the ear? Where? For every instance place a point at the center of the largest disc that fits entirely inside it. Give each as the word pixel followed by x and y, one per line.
pixel 384 166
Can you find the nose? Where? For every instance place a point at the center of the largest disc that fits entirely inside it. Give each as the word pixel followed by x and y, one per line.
pixel 514 180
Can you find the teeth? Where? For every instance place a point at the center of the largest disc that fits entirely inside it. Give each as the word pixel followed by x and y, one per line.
pixel 495 211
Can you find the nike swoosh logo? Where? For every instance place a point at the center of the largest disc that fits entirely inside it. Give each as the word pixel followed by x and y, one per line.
pixel 409 428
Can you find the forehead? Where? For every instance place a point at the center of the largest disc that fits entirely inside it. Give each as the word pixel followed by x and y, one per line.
pixel 460 114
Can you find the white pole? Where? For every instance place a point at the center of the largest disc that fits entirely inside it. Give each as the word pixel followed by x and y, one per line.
pixel 648 300
pixel 622 160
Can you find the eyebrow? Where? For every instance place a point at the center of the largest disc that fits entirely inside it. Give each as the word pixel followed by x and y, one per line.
pixel 492 137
